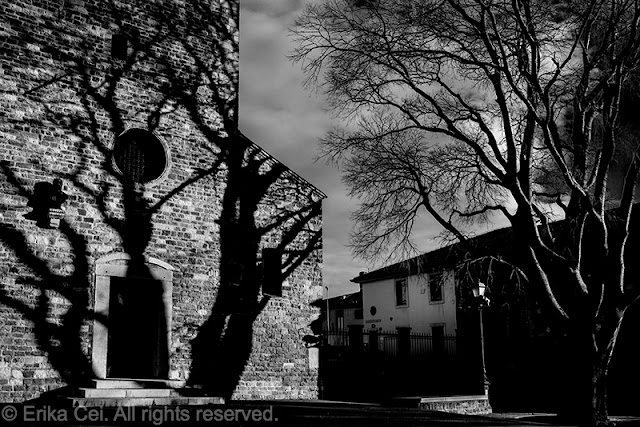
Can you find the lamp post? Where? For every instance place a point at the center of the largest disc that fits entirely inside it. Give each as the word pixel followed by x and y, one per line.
pixel 483 301
pixel 328 319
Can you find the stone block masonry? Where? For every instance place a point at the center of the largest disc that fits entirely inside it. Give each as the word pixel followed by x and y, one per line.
pixel 74 76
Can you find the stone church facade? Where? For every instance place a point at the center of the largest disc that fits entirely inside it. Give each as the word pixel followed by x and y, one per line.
pixel 142 236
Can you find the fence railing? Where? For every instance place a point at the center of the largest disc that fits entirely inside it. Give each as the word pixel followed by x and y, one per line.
pixel 393 343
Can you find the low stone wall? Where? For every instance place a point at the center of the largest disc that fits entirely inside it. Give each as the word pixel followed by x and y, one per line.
pixel 457 404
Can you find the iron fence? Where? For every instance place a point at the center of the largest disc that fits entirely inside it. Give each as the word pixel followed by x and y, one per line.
pixel 393 343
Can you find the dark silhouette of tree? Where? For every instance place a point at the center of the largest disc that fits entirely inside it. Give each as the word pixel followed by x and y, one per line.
pixel 468 110
pixel 155 63
pixel 225 339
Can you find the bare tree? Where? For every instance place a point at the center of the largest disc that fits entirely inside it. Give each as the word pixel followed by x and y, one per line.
pixel 468 109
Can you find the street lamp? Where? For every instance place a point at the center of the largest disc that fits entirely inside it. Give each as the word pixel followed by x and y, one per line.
pixel 328 323
pixel 478 290
pixel 483 301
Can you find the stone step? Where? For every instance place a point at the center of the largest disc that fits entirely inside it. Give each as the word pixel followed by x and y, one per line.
pixel 143 401
pixel 124 392
pixel 474 404
pixel 457 404
pixel 120 383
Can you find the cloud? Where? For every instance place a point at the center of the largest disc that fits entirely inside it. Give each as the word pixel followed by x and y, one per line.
pixel 273 8
pixel 278 114
pixel 275 110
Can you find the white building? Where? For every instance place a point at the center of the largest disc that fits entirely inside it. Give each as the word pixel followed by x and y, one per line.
pixel 424 293
pixel 426 303
pixel 344 311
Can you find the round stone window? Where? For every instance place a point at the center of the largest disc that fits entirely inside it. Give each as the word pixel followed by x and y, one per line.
pixel 140 156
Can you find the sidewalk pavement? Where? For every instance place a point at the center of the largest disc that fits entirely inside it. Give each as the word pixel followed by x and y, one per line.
pixel 330 413
pixel 276 414
pixel 552 419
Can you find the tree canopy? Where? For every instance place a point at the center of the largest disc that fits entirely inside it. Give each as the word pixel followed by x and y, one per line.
pixel 466 109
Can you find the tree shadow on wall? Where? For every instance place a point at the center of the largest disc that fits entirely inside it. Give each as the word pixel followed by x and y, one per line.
pixel 37 282
pixel 72 88
pixel 255 184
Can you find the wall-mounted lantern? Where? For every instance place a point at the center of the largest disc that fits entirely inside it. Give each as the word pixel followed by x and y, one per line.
pixel 46 204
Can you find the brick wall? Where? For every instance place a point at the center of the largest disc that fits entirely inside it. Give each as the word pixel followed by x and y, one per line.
pixel 63 100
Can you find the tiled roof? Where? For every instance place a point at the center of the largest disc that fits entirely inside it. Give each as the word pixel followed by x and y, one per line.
pixel 288 172
pixel 342 301
pixel 497 242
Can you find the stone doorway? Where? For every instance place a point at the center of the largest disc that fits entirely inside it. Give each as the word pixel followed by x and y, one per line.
pixel 131 332
pixel 136 344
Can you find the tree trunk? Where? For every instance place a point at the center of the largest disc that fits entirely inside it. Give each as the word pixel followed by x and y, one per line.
pixel 588 364
pixel 599 385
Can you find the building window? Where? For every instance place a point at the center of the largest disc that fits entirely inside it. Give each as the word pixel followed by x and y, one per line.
pixel 140 156
pixel 340 319
pixel 401 292
pixel 358 314
pixel 435 287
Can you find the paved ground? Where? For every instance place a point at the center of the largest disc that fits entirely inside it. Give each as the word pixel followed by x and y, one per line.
pixel 348 414
pixel 288 413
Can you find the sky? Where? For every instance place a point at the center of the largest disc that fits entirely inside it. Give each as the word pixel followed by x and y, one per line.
pixel 286 120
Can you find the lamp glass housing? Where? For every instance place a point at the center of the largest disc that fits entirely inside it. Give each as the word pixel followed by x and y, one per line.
pixel 478 290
